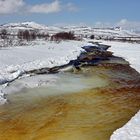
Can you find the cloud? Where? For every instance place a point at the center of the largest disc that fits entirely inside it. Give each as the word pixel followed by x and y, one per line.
pixel 46 8
pixel 10 6
pixel 129 25
pixel 102 24
pixel 16 6
pixel 123 23
pixel 71 7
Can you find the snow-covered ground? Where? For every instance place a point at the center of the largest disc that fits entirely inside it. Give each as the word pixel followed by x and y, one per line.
pixel 131 52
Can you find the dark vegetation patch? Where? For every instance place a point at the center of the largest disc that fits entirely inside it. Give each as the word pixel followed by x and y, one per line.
pixel 63 36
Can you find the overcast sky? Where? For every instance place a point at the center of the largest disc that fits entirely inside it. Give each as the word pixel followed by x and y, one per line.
pixel 90 12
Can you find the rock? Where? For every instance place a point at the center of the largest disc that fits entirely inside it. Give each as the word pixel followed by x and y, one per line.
pixel 38 71
pixel 97 54
pixel 90 48
pixel 54 70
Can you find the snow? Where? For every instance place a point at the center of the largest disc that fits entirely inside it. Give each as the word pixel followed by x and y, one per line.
pixel 131 52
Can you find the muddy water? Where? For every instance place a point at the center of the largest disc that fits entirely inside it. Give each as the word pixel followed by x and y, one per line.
pixel 97 101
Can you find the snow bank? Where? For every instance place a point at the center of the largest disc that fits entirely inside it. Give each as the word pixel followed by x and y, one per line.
pixel 131 52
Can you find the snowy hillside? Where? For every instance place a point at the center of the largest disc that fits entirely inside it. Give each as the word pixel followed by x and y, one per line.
pixel 24 25
pixel 78 30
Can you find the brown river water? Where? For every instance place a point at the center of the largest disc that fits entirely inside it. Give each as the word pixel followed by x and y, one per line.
pixel 87 105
